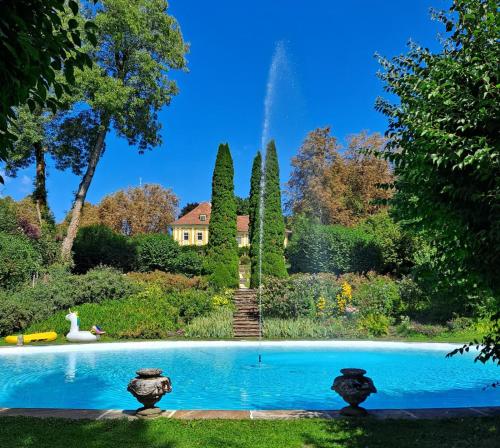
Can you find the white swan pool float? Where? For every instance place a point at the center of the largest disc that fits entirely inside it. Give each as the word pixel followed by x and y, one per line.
pixel 75 335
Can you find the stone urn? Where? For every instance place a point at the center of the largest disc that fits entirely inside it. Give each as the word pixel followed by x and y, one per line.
pixel 149 387
pixel 354 387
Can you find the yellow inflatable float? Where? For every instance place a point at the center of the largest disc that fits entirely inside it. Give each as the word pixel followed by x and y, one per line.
pixel 35 337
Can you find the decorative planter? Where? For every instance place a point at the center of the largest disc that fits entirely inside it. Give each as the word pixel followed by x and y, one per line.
pixel 149 387
pixel 354 388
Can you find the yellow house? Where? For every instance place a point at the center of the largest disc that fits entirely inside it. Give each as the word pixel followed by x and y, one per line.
pixel 192 228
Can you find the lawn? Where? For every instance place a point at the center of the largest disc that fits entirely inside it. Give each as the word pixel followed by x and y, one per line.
pixel 17 432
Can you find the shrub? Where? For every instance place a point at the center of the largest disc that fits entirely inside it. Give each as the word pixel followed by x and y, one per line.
pixel 156 251
pixel 336 249
pixel 414 301
pixel 167 281
pixel 307 328
pixel 97 245
pixel 379 295
pixel 19 260
pixel 297 296
pixel 216 325
pixel 191 303
pixel 189 262
pixel 161 252
pixel 411 328
pixel 374 324
pixel 61 290
pixel 142 315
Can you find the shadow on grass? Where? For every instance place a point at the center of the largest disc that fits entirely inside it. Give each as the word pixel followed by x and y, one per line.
pixel 369 432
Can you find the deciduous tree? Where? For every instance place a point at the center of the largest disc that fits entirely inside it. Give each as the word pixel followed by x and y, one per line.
pixel 38 39
pixel 444 143
pixel 137 44
pixel 146 209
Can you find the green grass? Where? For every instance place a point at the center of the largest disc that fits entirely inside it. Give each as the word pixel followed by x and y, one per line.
pixel 21 432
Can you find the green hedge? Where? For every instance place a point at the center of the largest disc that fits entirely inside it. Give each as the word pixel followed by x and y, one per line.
pixel 336 249
pixel 60 290
pixel 97 245
pixel 19 260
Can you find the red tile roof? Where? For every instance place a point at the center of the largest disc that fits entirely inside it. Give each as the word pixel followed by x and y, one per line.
pixel 193 218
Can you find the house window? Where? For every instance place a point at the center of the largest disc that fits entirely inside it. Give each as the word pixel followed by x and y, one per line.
pixel 238 238
pixel 203 217
pixel 186 236
pixel 199 236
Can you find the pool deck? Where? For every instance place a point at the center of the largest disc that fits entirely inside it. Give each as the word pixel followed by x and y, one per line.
pixel 380 414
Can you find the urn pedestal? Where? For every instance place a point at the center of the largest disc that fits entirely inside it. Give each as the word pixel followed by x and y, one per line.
pixel 354 388
pixel 149 387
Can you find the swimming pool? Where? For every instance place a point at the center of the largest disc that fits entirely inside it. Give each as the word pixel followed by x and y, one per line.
pixel 227 375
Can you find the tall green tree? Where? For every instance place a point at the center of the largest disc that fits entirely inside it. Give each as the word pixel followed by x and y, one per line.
pixel 38 39
pixel 273 236
pixel 222 253
pixel 138 43
pixel 253 228
pixel 444 142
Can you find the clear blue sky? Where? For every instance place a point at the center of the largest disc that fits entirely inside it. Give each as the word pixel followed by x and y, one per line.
pixel 331 80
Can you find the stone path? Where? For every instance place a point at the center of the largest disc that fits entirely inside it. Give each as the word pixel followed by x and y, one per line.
pixel 246 315
pixel 380 414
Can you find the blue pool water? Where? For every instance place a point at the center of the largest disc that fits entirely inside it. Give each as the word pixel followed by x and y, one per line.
pixel 228 376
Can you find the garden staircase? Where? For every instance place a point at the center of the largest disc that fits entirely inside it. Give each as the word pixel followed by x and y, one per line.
pixel 246 315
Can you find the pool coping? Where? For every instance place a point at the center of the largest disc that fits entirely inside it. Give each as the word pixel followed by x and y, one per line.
pixel 379 414
pixel 150 345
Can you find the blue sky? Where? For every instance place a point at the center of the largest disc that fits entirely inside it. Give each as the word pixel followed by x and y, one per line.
pixel 329 79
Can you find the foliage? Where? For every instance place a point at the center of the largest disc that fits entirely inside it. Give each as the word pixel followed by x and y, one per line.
pixel 444 144
pixel 374 324
pixel 191 303
pixel 488 346
pixel 337 249
pixel 308 328
pixel 59 290
pixel 19 261
pixel 138 44
pixel 99 245
pixel 253 212
pixel 216 325
pixel 299 296
pixel 337 187
pixel 187 208
pixel 397 246
pixel 222 253
pixel 168 282
pixel 38 40
pixel 189 261
pixel 242 206
pixel 411 328
pixel 378 296
pixel 273 232
pixel 8 220
pixel 146 209
pixel 156 251
pixel 139 316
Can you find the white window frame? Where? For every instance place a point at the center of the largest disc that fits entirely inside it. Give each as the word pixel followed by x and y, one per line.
pixel 198 235
pixel 203 217
pixel 185 236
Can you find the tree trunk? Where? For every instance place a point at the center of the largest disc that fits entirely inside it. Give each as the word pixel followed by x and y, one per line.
pixel 40 193
pixel 76 212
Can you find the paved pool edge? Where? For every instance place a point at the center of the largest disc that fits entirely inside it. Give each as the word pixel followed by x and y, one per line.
pixel 379 414
pixel 149 345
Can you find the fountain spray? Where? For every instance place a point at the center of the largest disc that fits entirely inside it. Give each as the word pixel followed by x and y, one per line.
pixel 277 62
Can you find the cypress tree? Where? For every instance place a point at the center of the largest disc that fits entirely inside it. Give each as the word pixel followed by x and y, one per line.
pixel 273 250
pixel 222 256
pixel 253 229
